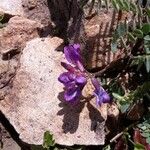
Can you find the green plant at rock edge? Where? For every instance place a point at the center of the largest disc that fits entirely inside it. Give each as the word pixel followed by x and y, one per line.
pixel 48 140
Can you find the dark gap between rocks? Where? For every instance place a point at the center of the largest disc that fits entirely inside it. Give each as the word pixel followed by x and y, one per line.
pixel 13 133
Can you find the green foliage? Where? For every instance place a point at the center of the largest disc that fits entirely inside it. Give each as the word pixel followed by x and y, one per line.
pixel 122 103
pixel 138 33
pixel 107 148
pixel 140 60
pixel 115 87
pixel 121 35
pixel 124 5
pixel 148 11
pixel 125 101
pixel 145 129
pixel 139 92
pixel 147 44
pixel 146 28
pixel 117 37
pixel 48 140
pixel 122 32
pixel 143 59
pixel 131 37
pixel 139 146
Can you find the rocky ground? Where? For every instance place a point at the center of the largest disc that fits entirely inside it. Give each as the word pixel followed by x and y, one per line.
pixel 7 143
pixel 31 44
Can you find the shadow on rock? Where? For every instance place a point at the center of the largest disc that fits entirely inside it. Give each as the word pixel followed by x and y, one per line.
pixel 71 113
pixel 95 116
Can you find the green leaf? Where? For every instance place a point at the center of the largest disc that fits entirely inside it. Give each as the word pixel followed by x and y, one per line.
pixel 148 140
pixel 148 12
pixel 131 37
pixel 114 46
pixel 133 8
pixel 138 33
pixel 123 43
pixel 146 28
pixel 124 107
pixel 121 29
pixel 115 5
pixel 147 44
pixel 107 147
pixel 48 140
pixel 126 5
pixel 117 96
pixel 143 127
pixel 145 134
pixel 147 63
pixel 139 8
pixel 139 147
pixel 121 4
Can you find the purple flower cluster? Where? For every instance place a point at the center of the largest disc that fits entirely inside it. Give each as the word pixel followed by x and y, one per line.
pixel 75 78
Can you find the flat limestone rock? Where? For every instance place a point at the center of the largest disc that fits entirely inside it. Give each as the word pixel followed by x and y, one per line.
pixel 35 103
pixel 12 7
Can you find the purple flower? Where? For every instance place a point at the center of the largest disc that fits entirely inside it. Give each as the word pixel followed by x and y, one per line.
pixel 74 79
pixel 72 54
pixel 101 95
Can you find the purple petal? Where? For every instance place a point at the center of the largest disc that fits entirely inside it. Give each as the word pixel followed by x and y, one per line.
pixel 68 67
pixel 96 84
pixel 77 47
pixel 69 85
pixel 80 66
pixel 98 100
pixel 71 54
pixel 64 77
pixel 67 78
pixel 81 80
pixel 72 94
pixel 105 97
pixel 101 97
pixel 72 76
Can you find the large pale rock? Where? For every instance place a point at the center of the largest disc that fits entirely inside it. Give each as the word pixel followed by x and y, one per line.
pixel 12 7
pixel 35 103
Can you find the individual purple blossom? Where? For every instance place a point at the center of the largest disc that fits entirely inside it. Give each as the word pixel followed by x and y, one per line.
pixel 100 94
pixel 74 79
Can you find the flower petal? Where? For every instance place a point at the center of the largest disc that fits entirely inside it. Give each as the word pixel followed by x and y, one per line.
pixel 72 94
pixel 96 84
pixel 68 67
pixel 64 77
pixel 71 54
pixel 77 47
pixel 80 66
pixel 105 97
pixel 80 79
pixel 98 99
pixel 101 97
